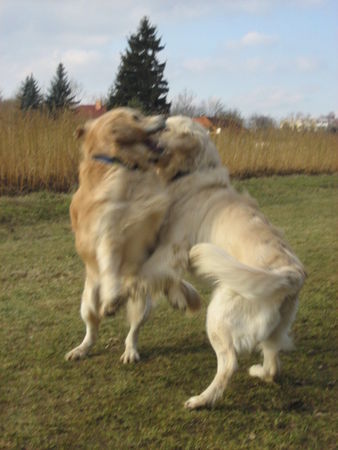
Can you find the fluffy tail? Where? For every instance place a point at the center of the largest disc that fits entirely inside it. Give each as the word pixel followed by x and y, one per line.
pixel 251 283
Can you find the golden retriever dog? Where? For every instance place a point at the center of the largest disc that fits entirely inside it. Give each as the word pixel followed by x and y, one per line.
pixel 190 163
pixel 117 161
pixel 221 234
pixel 116 214
pixel 218 233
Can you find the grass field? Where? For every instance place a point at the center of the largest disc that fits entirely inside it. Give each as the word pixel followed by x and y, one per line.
pixel 38 152
pixel 98 403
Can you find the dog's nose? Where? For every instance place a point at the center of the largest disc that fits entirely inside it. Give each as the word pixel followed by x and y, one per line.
pixel 156 124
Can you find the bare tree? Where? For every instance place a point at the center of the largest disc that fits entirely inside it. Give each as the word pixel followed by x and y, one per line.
pixel 260 122
pixel 213 107
pixel 230 118
pixel 184 104
pixel 78 89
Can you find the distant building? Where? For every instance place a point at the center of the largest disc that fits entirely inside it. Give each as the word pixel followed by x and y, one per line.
pixel 309 123
pixel 91 111
pixel 207 123
pixel 323 123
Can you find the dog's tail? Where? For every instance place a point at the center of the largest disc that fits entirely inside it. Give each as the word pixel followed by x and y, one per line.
pixel 249 282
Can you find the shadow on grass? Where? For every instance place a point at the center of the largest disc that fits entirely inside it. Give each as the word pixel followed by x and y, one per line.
pixel 199 348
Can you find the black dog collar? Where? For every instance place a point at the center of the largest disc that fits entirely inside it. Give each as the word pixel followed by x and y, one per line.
pixel 179 175
pixel 113 160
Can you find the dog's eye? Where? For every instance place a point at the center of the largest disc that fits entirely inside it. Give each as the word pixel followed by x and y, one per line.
pixel 136 118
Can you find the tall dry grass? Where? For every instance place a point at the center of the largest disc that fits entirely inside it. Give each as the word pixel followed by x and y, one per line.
pixel 38 152
pixel 248 153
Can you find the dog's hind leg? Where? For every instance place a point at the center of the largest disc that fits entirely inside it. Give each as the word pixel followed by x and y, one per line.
pixel 279 340
pixel 271 363
pixel 90 316
pixel 138 310
pixel 221 340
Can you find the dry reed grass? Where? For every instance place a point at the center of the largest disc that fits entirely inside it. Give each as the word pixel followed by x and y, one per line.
pixel 38 152
pixel 278 152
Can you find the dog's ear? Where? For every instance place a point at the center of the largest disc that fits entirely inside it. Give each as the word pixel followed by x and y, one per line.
pixel 81 130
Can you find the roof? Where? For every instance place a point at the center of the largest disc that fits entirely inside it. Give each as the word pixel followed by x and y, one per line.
pixel 91 111
pixel 205 122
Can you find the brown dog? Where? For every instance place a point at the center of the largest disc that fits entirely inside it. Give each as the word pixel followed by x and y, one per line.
pixel 117 211
pixel 118 208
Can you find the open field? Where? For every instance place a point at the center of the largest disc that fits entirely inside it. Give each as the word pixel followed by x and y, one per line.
pixel 46 402
pixel 38 152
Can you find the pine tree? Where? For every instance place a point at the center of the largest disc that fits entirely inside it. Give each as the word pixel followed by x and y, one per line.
pixel 60 93
pixel 29 94
pixel 139 81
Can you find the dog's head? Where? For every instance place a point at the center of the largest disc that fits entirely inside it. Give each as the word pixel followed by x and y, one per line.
pixel 187 147
pixel 123 133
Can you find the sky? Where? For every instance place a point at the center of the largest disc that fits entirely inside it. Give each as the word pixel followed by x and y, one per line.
pixel 271 57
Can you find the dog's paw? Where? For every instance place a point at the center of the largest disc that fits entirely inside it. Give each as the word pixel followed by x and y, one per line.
pixel 76 354
pixel 109 309
pixel 183 296
pixel 111 306
pixel 257 370
pixel 129 356
pixel 199 401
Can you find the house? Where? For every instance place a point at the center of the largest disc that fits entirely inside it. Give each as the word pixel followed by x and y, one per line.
pixel 206 123
pixel 91 111
pixel 307 123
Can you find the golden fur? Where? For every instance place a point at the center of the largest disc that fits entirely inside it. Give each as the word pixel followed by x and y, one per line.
pixel 221 234
pixel 116 213
pixel 113 235
pixel 218 233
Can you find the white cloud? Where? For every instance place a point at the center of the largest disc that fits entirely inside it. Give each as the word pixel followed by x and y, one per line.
pixel 256 38
pixel 77 57
pixel 202 65
pixel 252 39
pixel 308 3
pixel 306 64
pixel 227 64
pixel 73 59
pixel 271 101
pixel 190 9
pixel 281 97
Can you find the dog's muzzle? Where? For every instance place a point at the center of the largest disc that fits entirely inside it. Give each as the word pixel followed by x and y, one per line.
pixel 157 123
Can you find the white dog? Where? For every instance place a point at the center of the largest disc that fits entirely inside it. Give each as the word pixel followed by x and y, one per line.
pixel 222 235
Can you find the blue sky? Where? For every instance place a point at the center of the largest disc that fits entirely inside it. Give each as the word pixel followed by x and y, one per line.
pixel 259 56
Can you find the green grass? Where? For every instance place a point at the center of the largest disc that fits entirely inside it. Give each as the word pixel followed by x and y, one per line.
pixel 46 402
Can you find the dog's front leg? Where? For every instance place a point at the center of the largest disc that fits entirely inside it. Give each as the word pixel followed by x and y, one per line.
pixel 138 310
pixel 109 261
pixel 91 317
